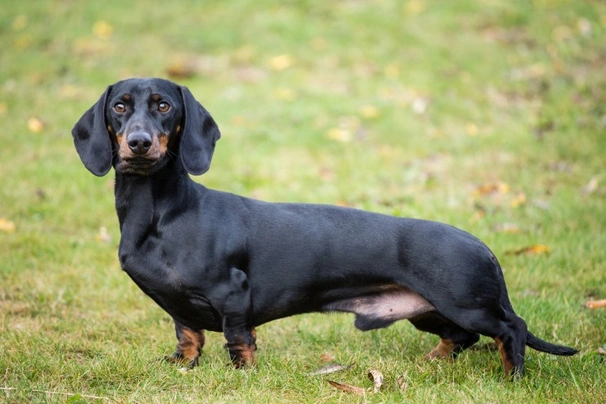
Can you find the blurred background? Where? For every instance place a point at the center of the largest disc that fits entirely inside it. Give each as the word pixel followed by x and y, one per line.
pixel 487 115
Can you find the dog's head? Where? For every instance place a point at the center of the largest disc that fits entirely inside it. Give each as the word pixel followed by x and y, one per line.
pixel 138 125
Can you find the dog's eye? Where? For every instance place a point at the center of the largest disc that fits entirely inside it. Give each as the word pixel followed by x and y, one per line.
pixel 119 108
pixel 163 106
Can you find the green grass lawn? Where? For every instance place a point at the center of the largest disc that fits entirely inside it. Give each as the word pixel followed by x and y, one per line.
pixel 490 116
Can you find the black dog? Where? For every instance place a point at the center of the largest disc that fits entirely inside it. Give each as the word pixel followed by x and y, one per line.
pixel 220 262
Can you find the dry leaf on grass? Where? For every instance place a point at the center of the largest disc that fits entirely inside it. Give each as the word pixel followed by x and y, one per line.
pixel 103 236
pixel 492 188
pixel 530 250
pixel 182 69
pixel 376 378
pixel 330 368
pixel 7 226
pixel 102 29
pixel 591 186
pixel 402 382
pixel 327 357
pixel 35 124
pixel 347 388
pixel 596 304
pixel 281 62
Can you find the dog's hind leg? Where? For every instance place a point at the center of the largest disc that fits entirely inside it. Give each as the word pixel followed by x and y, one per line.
pixel 189 346
pixel 453 339
pixel 512 345
pixel 508 330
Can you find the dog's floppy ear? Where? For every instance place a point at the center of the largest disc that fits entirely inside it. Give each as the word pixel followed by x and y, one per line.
pixel 92 140
pixel 199 135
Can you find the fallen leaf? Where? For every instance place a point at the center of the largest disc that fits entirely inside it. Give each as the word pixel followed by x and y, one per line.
pixel 369 112
pixel 591 186
pixel 102 29
pixel 340 135
pixel 601 351
pixel 584 26
pixel 7 226
pixel 35 124
pixel 419 106
pixel 415 7
pixel 181 69
pixel 327 357
pixel 330 368
pixel 492 188
pixel 595 304
pixel 471 129
pixel 348 388
pixel 507 228
pixel 103 236
pixel 281 62
pixel 518 200
pixel 376 378
pixel 402 383
pixel 530 250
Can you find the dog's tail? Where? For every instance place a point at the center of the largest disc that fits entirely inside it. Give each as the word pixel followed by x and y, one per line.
pixel 536 343
pixel 532 340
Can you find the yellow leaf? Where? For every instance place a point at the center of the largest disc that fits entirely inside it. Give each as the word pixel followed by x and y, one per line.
pixel 340 135
pixel 285 94
pixel 471 129
pixel 520 199
pixel 35 124
pixel 414 7
pixel 531 250
pixel 281 62
pixel 492 188
pixel 7 226
pixel 102 29
pixel 369 112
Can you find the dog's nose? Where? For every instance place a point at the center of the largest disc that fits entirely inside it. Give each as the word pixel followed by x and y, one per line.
pixel 139 142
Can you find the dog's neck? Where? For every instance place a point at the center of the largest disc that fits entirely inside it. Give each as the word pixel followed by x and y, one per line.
pixel 138 197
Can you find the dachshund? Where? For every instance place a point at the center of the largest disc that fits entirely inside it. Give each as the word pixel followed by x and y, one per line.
pixel 225 263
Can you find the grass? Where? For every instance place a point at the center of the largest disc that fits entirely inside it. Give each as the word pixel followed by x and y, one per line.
pixel 486 115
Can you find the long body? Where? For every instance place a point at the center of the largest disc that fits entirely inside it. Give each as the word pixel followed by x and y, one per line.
pixel 221 262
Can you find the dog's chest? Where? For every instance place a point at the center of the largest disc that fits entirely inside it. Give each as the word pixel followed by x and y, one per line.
pixel 154 266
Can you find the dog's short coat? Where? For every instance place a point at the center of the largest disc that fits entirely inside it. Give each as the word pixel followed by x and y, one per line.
pixel 220 262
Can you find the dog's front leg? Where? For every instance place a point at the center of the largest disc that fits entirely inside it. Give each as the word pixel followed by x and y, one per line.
pixel 189 346
pixel 237 315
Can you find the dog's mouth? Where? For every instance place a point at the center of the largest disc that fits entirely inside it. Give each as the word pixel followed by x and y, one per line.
pixel 137 165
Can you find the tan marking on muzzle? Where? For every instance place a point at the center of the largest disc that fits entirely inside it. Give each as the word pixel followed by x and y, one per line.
pixel 155 152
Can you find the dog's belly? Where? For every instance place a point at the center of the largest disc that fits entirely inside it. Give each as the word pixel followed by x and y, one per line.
pixel 382 307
